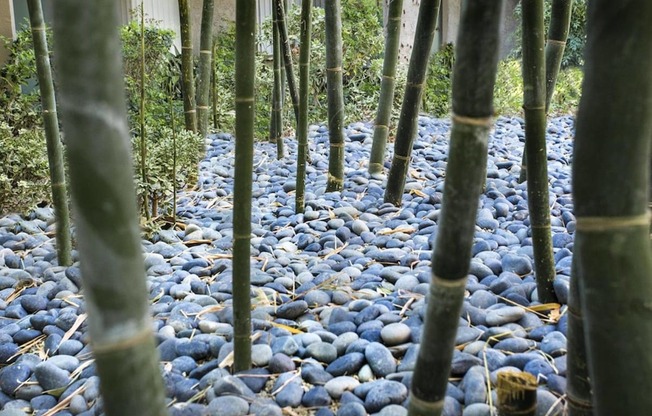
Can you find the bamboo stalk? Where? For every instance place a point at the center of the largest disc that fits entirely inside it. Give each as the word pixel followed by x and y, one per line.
pixel 91 85
pixel 275 135
pixel 216 124
pixel 386 100
pixel 534 97
pixel 287 56
pixel 187 70
pixel 474 77
pixel 424 35
pixel 51 127
pixel 141 110
pixel 578 390
pixel 245 52
pixel 335 94
pixel 610 185
pixel 555 45
pixel 304 80
pixel 205 58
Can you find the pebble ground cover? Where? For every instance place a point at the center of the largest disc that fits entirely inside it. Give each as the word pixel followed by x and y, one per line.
pixel 338 292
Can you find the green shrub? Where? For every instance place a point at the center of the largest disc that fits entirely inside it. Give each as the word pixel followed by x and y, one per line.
pixel 573 53
pixel 437 90
pixel 162 104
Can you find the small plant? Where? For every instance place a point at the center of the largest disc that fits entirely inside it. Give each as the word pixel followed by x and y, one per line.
pixel 437 91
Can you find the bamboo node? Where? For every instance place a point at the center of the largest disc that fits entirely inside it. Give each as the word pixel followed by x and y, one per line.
pixel 401 157
pixel 609 223
pixel 337 145
pixel 202 107
pixel 335 69
pixel 557 42
pixel 473 121
pixel 534 108
pixel 381 126
pixel 429 406
pixel 451 283
pixel 388 77
pixel 244 100
pixel 210 52
pixel 123 343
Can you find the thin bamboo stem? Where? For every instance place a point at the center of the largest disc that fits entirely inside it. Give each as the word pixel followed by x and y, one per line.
pixel 304 80
pixel 187 70
pixel 287 56
pixel 205 58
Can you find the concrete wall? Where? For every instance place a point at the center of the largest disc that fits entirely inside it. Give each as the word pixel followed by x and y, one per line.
pixel 6 25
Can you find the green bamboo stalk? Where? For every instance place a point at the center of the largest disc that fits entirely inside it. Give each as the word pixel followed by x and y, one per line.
pixel 287 56
pixel 477 49
pixel 407 124
pixel 517 394
pixel 610 185
pixel 205 57
pixel 534 98
pixel 245 53
pixel 187 70
pixel 51 126
pixel 578 390
pixel 304 86
pixel 216 124
pixel 386 101
pixel 555 45
pixel 276 118
pixel 92 105
pixel 141 110
pixel 335 94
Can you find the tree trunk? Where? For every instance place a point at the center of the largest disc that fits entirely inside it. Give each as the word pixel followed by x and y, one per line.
pixel 386 101
pixel 407 123
pixel 51 126
pixel 555 45
pixel 473 83
pixel 610 185
pixel 333 29
pixel 276 120
pixel 578 390
pixel 187 70
pixel 245 60
pixel 287 56
pixel 205 57
pixel 534 99
pixel 97 136
pixel 304 86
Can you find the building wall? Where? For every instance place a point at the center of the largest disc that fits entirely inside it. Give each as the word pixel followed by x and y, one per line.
pixel 6 25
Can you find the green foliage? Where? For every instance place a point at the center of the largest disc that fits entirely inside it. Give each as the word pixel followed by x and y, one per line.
pixel 508 92
pixel 162 70
pixel 24 175
pixel 437 91
pixel 573 53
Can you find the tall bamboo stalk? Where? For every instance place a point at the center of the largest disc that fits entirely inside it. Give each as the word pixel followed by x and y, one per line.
pixel 386 101
pixel 287 56
pixel 276 119
pixel 91 86
pixel 187 70
pixel 474 77
pixel 245 53
pixel 578 390
pixel 534 101
pixel 214 97
pixel 407 124
pixel 555 45
pixel 141 110
pixel 205 58
pixel 304 85
pixel 51 126
pixel 335 94
pixel 610 185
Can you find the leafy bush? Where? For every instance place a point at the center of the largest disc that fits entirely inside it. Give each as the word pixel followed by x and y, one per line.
pixel 161 88
pixel 436 98
pixel 573 53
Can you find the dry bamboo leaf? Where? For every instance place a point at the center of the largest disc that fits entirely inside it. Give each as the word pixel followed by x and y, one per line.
pixel 192 243
pixel 287 328
pixel 80 319
pixel 65 402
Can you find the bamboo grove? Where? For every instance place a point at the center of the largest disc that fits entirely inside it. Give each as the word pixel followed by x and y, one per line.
pixel 610 284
